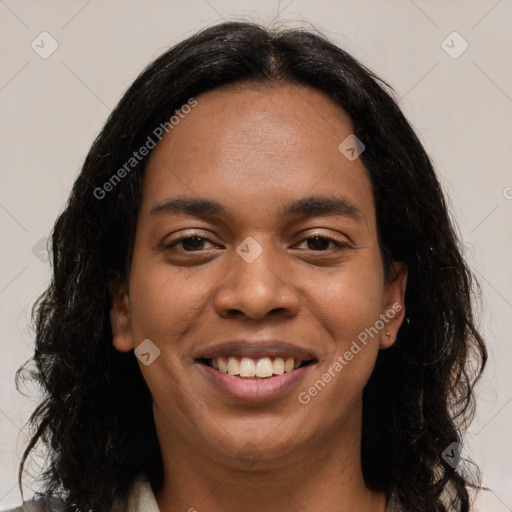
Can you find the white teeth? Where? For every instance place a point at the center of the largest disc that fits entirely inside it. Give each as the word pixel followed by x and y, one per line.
pixel 264 367
pixel 223 366
pixel 233 366
pixel 248 367
pixel 278 365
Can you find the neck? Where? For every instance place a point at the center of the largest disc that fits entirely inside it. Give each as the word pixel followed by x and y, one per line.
pixel 321 475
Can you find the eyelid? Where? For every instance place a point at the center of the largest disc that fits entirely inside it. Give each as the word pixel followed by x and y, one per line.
pixel 187 234
pixel 342 242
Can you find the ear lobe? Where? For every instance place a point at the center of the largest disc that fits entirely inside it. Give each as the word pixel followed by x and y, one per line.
pixel 394 304
pixel 120 317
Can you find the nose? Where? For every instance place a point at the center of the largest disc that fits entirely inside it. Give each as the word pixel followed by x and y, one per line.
pixel 256 290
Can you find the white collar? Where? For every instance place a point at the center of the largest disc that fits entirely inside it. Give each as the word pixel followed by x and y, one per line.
pixel 142 497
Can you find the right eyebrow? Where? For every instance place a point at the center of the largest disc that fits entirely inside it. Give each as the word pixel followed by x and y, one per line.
pixel 197 206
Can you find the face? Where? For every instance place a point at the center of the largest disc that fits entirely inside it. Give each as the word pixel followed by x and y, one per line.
pixel 257 277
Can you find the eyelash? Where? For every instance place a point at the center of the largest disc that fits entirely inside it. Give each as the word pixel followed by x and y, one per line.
pixel 337 243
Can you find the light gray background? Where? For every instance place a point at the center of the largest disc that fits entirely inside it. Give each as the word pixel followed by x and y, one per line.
pixel 51 110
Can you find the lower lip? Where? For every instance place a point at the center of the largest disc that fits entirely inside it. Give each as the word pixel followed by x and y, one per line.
pixel 253 389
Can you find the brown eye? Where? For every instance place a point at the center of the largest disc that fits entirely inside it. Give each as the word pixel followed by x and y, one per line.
pixel 319 243
pixel 192 243
pixel 188 244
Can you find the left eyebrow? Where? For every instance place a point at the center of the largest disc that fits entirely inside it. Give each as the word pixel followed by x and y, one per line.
pixel 314 206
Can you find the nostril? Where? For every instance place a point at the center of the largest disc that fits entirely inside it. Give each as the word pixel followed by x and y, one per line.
pixel 277 311
pixel 234 312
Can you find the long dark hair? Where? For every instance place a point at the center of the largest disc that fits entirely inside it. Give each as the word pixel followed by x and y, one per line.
pixel 96 417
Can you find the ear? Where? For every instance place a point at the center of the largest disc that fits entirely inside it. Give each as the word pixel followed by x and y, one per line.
pixel 394 304
pixel 120 321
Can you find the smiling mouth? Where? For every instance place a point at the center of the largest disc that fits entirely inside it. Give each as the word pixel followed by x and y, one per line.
pixel 255 368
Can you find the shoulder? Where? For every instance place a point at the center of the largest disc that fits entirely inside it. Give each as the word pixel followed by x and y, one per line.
pixel 139 498
pixel 51 505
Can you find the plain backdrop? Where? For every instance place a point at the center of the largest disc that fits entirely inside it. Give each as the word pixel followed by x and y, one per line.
pixel 458 99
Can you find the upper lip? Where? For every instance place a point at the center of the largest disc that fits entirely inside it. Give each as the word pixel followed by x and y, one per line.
pixel 256 349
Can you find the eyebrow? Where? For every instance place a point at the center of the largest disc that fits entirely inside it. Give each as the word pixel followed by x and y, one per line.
pixel 311 206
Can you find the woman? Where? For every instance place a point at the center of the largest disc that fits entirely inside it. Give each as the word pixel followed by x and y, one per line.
pixel 258 298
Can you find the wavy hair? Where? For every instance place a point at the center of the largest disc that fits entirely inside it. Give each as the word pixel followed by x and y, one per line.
pixel 95 418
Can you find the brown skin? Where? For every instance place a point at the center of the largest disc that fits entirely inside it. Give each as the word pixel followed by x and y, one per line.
pixel 253 149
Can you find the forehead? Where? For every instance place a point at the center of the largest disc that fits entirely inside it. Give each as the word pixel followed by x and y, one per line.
pixel 260 118
pixel 259 144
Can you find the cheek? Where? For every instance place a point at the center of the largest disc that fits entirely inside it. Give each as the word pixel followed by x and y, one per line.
pixel 347 300
pixel 346 308
pixel 163 300
pixel 163 305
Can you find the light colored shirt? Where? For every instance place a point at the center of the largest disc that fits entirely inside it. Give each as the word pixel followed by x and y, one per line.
pixel 142 498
